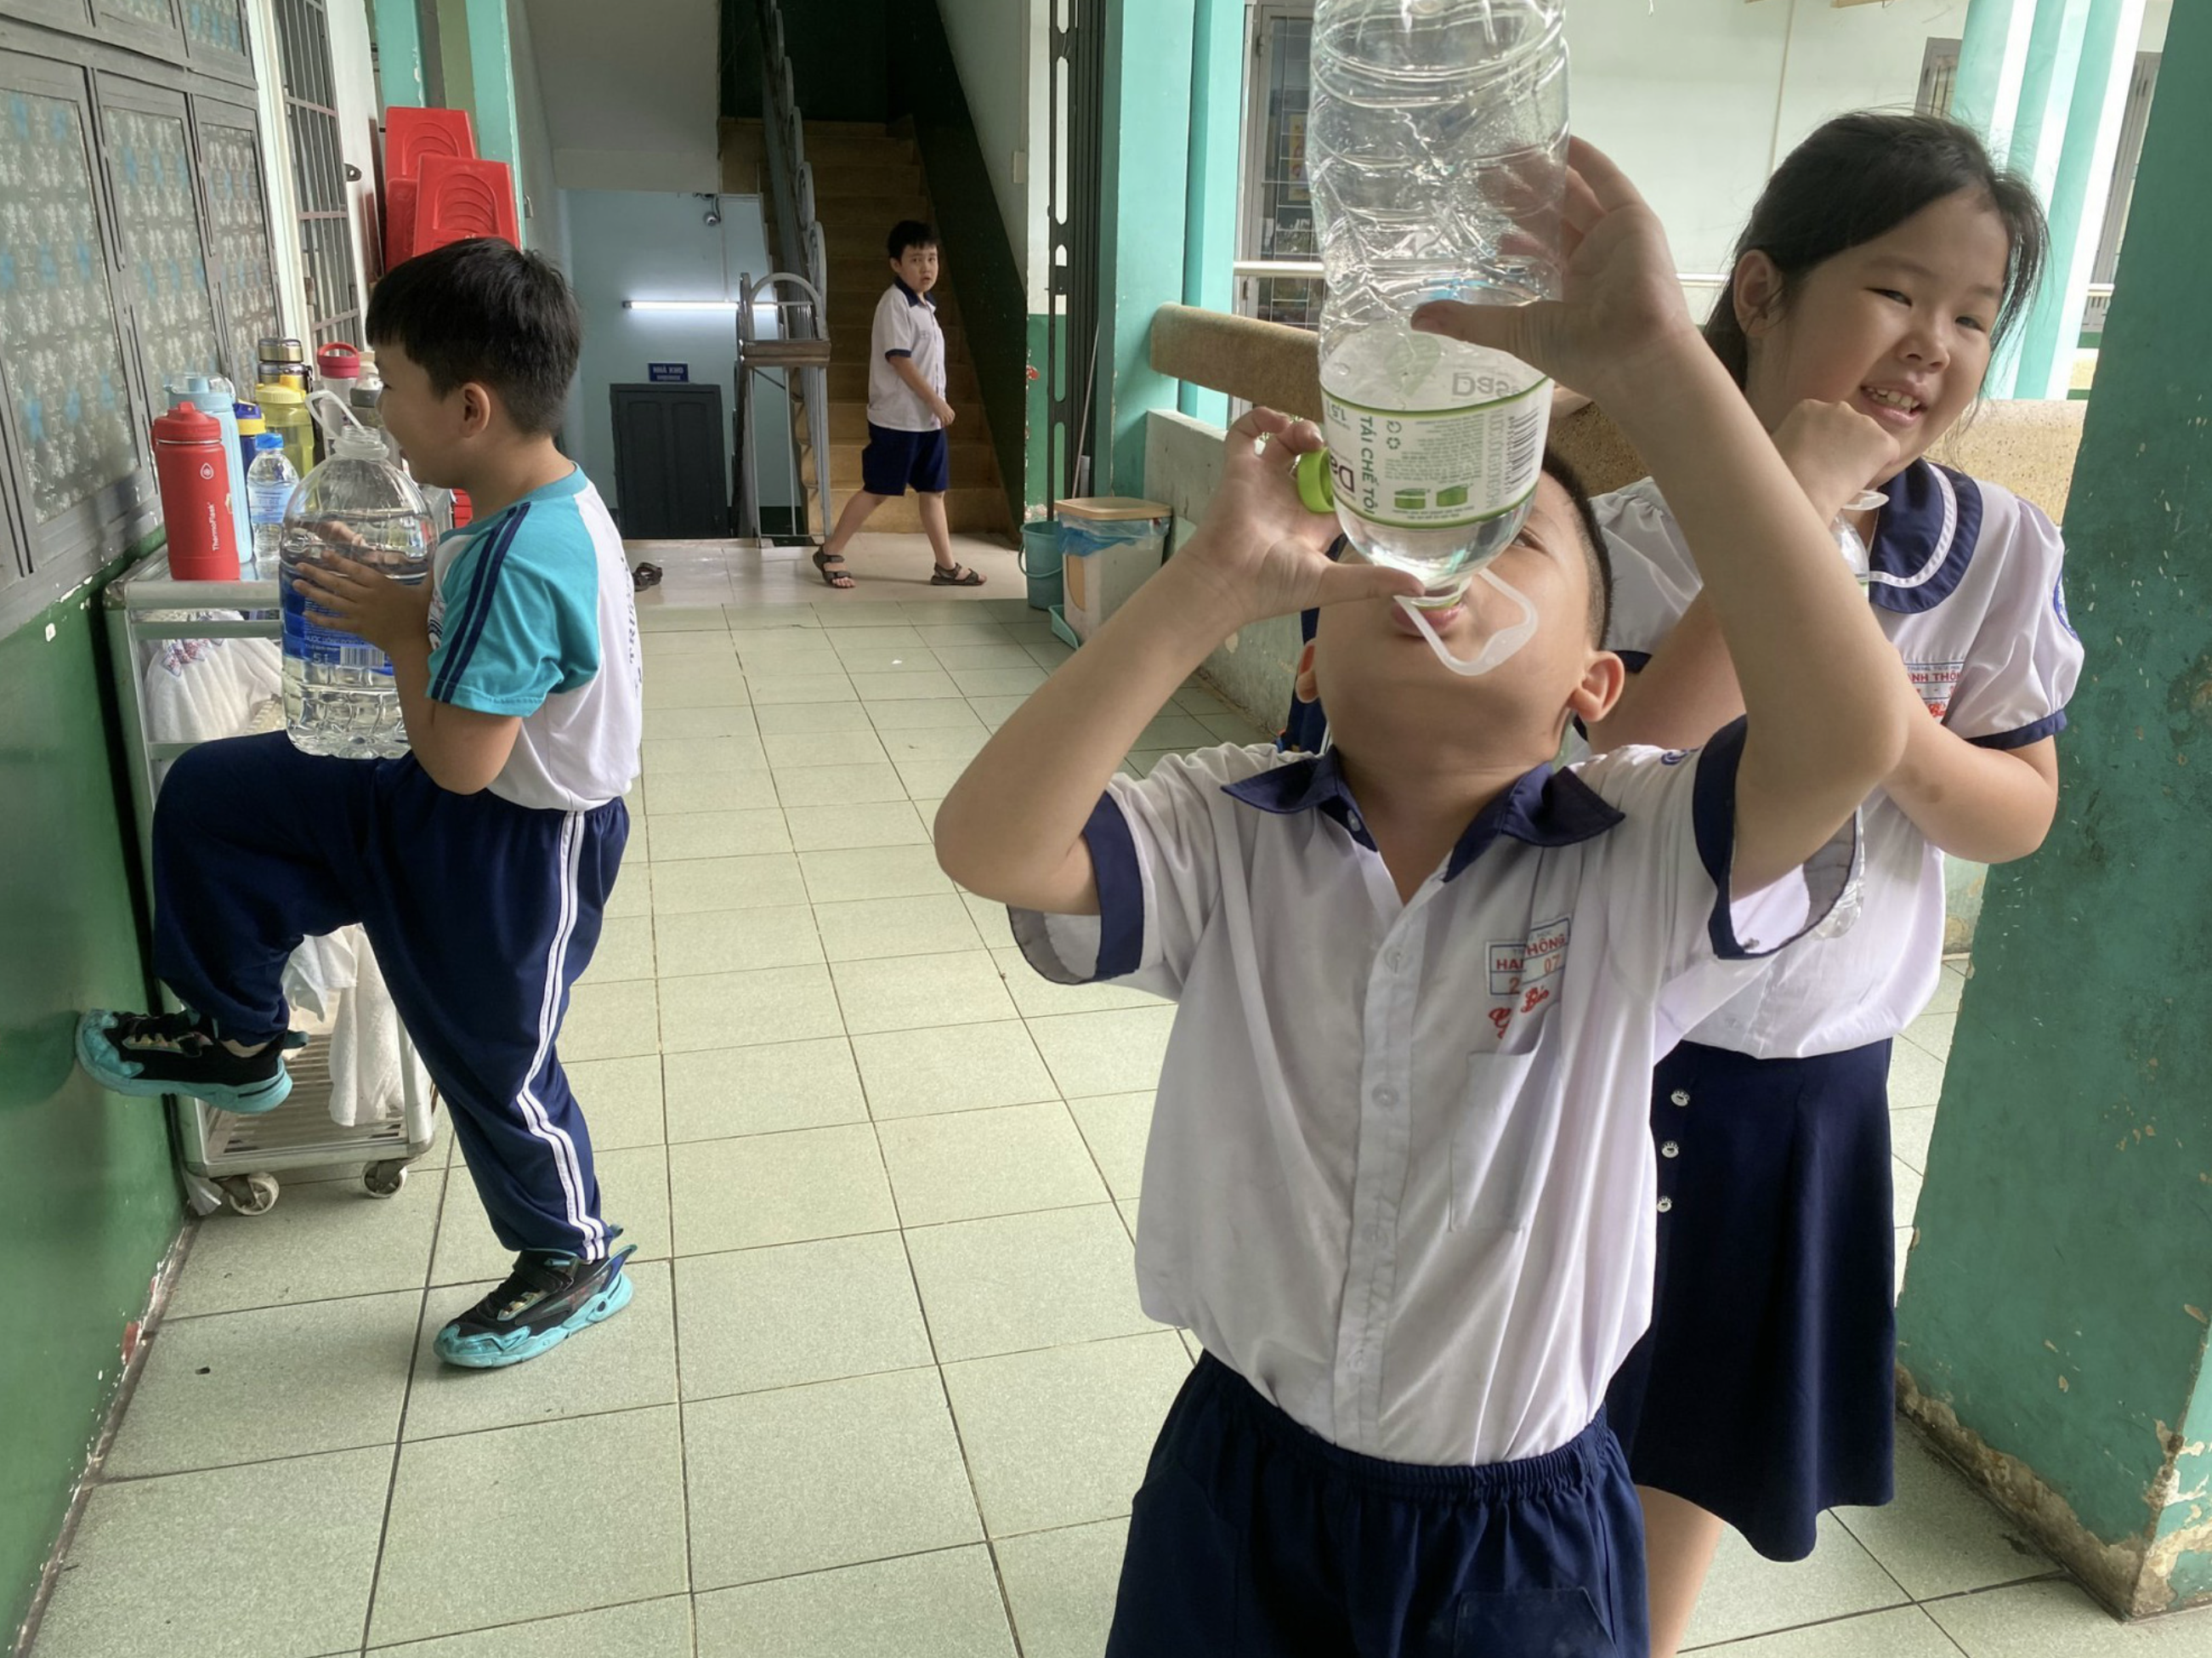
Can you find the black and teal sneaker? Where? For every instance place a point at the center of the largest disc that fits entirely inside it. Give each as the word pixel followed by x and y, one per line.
pixel 546 1299
pixel 152 1054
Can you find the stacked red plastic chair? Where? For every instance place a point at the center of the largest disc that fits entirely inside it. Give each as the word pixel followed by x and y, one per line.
pixel 435 188
pixel 459 197
pixel 411 134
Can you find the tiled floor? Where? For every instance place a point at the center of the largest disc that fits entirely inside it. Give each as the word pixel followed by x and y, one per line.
pixel 885 1390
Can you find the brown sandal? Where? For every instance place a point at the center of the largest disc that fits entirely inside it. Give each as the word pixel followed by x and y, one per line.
pixel 958 576
pixel 840 578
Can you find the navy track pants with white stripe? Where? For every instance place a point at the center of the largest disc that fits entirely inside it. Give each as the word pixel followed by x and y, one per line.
pixel 482 914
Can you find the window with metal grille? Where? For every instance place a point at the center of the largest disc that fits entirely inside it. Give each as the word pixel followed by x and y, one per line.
pixel 319 170
pixel 2142 85
pixel 1277 227
pixel 1938 74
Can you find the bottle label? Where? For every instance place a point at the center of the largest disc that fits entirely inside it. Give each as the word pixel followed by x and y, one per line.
pixel 1438 469
pixel 310 639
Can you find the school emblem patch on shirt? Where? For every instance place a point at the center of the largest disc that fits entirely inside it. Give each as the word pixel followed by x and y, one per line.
pixel 1936 681
pixel 1524 972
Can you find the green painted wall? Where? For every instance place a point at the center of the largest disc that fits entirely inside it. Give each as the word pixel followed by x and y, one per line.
pixel 1217 121
pixel 87 1201
pixel 1145 186
pixel 2058 1295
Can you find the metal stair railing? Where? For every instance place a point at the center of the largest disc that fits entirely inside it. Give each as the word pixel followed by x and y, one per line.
pixel 798 351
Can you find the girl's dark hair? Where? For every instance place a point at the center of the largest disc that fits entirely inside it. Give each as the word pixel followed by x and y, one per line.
pixel 1860 176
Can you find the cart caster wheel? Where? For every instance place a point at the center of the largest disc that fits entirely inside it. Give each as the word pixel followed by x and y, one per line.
pixel 384 1180
pixel 251 1194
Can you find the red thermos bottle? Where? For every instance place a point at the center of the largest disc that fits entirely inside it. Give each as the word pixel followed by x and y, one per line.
pixel 195 478
pixel 195 496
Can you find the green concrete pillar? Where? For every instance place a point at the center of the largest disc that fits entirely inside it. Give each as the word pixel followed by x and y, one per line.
pixel 1217 125
pixel 2046 91
pixel 1992 58
pixel 2037 132
pixel 2080 185
pixel 2053 1329
pixel 399 80
pixel 1145 181
pixel 491 76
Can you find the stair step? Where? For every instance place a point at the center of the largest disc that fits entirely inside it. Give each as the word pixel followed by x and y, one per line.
pixel 853 226
pixel 827 147
pixel 848 223
pixel 838 180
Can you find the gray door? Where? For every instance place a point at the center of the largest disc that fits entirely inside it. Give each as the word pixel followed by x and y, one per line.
pixel 670 477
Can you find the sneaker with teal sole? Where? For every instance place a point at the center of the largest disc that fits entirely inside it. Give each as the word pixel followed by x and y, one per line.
pixel 154 1054
pixel 546 1298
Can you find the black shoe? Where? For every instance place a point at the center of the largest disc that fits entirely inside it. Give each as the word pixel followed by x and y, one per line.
pixel 546 1299
pixel 152 1054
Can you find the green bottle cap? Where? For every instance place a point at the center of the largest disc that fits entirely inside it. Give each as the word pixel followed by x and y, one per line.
pixel 1316 487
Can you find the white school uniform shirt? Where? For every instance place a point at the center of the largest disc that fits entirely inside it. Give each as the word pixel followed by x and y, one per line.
pixel 905 325
pixel 1401 1176
pixel 533 613
pixel 1967 583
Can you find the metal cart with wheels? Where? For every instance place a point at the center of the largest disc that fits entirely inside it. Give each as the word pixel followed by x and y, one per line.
pixel 230 1158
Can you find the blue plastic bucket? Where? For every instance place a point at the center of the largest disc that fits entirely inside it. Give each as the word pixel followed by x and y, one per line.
pixel 1040 563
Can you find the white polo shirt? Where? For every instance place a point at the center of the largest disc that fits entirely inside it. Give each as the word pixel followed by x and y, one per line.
pixel 1967 582
pixel 1401 1173
pixel 905 327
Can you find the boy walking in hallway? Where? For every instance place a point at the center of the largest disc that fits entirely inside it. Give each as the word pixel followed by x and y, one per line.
pixel 908 414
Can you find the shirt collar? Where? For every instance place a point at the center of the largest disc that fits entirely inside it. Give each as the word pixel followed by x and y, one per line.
pixel 1543 807
pixel 912 297
pixel 571 482
pixel 1924 539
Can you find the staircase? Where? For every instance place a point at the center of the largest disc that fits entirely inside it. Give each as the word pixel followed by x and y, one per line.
pixel 865 181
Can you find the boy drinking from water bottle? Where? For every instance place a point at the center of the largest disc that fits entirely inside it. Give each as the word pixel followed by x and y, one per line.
pixel 1398 1178
pixel 480 862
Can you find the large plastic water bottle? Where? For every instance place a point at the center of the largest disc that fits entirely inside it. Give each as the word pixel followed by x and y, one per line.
pixel 1436 151
pixel 340 697
pixel 269 485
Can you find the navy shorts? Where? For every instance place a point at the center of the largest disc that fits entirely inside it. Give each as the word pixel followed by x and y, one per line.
pixel 1764 1390
pixel 895 462
pixel 1252 1538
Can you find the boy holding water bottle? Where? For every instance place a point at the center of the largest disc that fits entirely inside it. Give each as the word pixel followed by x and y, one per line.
pixel 1399 1178
pixel 480 862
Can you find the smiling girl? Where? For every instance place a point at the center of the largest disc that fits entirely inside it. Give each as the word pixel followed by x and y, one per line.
pixel 1885 259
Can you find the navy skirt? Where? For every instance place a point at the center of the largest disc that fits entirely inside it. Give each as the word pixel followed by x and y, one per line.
pixel 1764 1390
